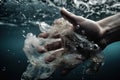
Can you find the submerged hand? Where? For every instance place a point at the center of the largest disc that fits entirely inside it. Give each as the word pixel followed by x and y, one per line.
pixel 83 26
pixel 95 31
pixel 102 32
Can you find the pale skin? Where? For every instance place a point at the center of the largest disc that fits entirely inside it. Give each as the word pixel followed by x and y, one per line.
pixel 102 32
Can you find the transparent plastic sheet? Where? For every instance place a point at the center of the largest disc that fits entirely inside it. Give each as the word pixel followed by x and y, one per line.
pixel 77 47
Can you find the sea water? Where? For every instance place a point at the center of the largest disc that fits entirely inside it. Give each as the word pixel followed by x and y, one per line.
pixel 26 14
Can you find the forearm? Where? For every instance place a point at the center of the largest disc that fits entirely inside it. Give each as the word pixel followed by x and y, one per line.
pixel 112 21
pixel 111 25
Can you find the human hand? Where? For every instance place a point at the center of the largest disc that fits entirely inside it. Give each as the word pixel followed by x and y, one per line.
pixel 94 31
pixel 60 32
pixel 80 25
pixel 102 32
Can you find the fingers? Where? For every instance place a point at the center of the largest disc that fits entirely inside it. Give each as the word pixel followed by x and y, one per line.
pixel 55 54
pixel 53 49
pixel 54 45
pixel 71 17
pixel 43 35
pixel 41 50
pixel 46 35
pixel 55 36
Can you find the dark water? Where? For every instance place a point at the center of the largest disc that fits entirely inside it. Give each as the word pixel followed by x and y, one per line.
pixel 18 17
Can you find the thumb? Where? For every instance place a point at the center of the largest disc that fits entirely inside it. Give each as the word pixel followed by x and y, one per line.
pixel 72 18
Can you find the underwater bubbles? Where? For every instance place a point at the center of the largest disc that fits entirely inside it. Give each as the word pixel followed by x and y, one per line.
pixel 81 5
pixel 95 2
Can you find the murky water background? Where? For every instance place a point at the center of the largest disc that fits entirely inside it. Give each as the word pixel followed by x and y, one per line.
pixel 19 17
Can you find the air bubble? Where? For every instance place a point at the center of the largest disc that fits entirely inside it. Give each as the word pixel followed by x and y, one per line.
pixel 8 50
pixel 78 27
pixel 19 61
pixel 34 16
pixel 3 69
pixel 29 35
pixel 23 31
pixel 83 31
pixel 96 46
pixel 44 27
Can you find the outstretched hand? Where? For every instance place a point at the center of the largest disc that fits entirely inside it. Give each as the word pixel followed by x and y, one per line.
pixel 91 29
pixel 84 26
pixel 62 47
pixel 102 32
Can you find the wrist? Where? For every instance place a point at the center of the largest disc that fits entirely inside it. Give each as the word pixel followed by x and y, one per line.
pixel 109 37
